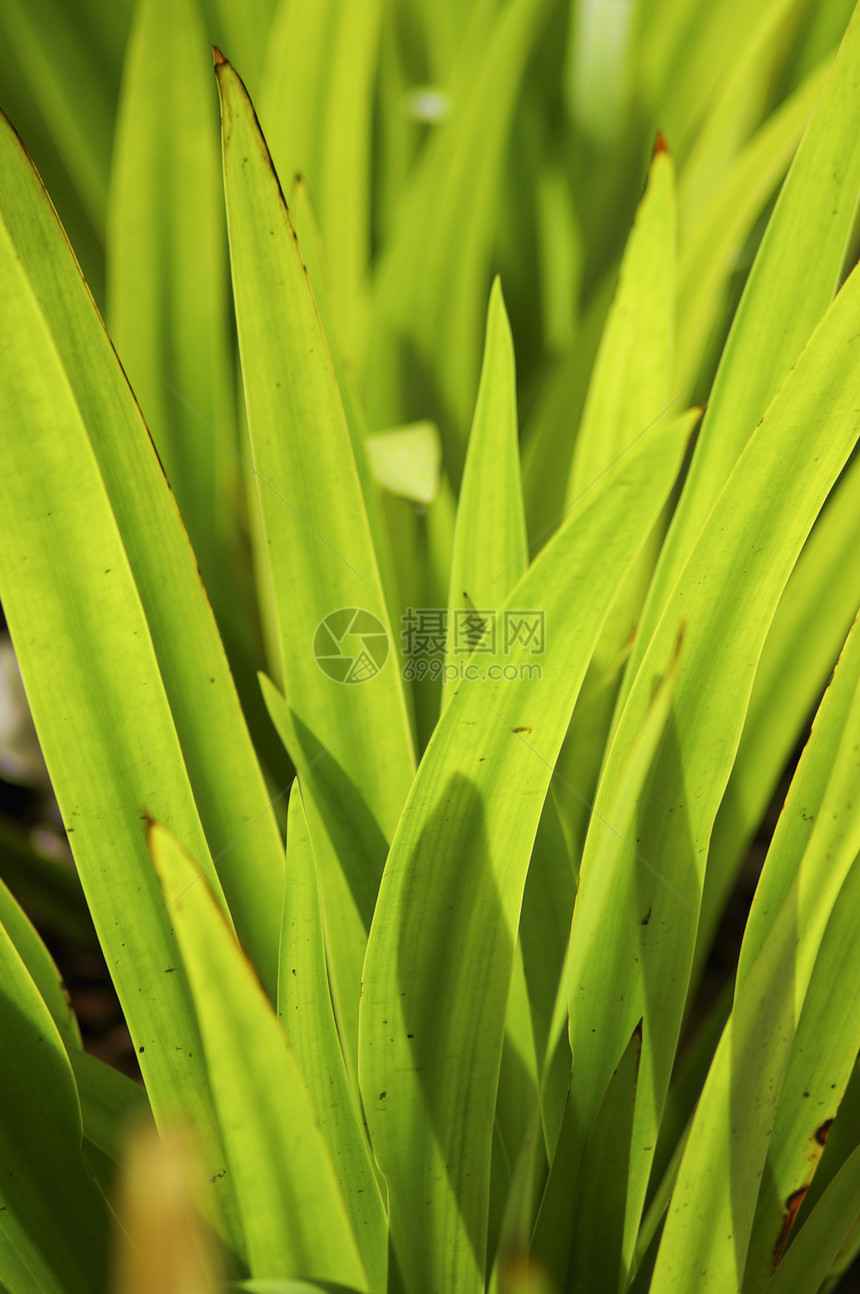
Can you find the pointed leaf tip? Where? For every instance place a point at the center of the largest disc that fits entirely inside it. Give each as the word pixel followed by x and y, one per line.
pixel 660 145
pixel 217 57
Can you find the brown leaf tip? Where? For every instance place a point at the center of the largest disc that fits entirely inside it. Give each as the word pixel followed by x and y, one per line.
pixel 217 57
pixel 660 145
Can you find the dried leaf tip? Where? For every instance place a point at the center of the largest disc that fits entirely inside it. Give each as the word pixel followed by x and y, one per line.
pixel 217 57
pixel 660 145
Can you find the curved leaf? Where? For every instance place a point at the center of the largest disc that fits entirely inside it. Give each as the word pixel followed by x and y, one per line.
pixel 292 1209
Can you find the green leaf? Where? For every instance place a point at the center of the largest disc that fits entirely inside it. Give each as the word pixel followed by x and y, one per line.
pixel 441 945
pixel 596 1246
pixel 580 1228
pixel 55 1229
pixel 788 290
pixel 490 545
pixel 778 978
pixel 821 1062
pixel 816 1246
pixel 312 510
pixel 304 1007
pixel 550 430
pixel 167 273
pixel 734 113
pixel 310 240
pixel 711 246
pixel 111 1104
pixel 321 558
pixel 40 965
pixel 66 578
pixel 684 55
pixel 628 393
pixel 723 602
pixel 292 1210
pixel 316 108
pixel 216 750
pixel 804 640
pixel 688 1078
pixel 629 388
pixel 559 1213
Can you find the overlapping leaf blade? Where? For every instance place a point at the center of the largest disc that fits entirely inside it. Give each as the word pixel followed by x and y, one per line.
pixel 220 761
pixel 441 945
pixel 817 1245
pixel 789 287
pixel 723 602
pixel 316 107
pixel 55 1222
pixel 627 394
pixel 804 640
pixel 320 553
pixel 292 1210
pixel 65 577
pixel 790 955
pixel 305 1009
pixel 629 388
pixel 41 968
pixel 167 273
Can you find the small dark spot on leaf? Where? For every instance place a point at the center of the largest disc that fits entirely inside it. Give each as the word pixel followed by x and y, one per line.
pixel 521 729
pixel 822 1131
pixel 140 1049
pixel 382 1094
pixel 647 917
pixel 170 970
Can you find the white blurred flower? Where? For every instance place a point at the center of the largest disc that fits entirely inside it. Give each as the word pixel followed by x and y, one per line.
pixel 427 104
